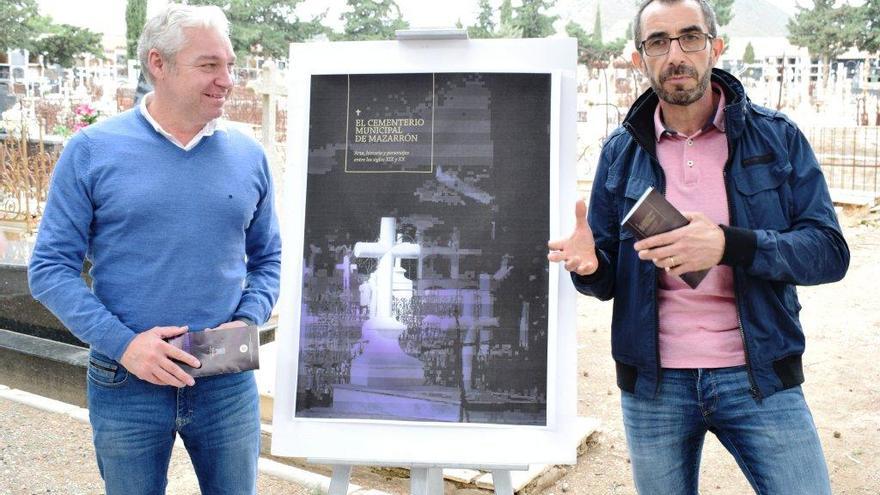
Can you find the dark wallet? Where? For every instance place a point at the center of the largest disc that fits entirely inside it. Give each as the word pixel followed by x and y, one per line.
pixel 226 350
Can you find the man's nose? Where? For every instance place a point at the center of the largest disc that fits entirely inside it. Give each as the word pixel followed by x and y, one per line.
pixel 224 79
pixel 675 51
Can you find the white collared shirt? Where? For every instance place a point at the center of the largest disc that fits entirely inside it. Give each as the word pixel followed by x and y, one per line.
pixel 209 129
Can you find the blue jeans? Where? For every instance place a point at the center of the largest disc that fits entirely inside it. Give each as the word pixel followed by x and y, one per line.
pixel 774 441
pixel 134 424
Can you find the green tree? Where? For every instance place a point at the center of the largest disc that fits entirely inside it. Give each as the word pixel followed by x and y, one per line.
pixel 531 18
pixel 506 12
pixel 867 22
pixel 723 15
pixel 825 30
pixel 135 18
pixel 65 42
pixel 723 11
pixel 597 25
pixel 507 27
pixel 20 24
pixel 265 27
pixel 485 27
pixel 749 54
pixel 371 20
pixel 592 52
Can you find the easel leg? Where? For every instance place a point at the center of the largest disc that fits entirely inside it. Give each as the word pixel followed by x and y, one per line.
pixel 426 481
pixel 502 482
pixel 339 480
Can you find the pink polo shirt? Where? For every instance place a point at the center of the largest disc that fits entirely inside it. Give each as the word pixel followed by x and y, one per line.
pixel 698 327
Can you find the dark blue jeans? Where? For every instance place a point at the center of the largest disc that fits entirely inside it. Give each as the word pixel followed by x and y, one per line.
pixel 774 441
pixel 134 424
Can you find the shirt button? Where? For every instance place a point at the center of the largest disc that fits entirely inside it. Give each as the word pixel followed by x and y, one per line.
pixel 690 163
pixel 690 142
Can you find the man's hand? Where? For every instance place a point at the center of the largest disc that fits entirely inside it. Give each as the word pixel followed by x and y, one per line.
pixel 149 357
pixel 578 251
pixel 696 246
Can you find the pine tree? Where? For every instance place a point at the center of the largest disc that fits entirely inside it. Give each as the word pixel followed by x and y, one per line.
pixel 268 25
pixel 506 11
pixel 372 20
pixel 135 18
pixel 592 52
pixel 531 18
pixel 485 27
pixel 20 24
pixel 867 20
pixel 749 54
pixel 825 30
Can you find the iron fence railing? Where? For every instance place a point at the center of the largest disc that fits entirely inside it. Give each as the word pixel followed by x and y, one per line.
pixel 849 156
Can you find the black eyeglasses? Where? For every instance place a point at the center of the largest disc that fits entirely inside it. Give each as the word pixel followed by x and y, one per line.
pixel 689 42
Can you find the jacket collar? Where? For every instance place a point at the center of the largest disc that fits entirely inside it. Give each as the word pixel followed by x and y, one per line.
pixel 639 120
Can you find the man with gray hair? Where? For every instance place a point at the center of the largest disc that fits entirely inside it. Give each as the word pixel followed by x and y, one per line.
pixel 176 214
pixel 724 356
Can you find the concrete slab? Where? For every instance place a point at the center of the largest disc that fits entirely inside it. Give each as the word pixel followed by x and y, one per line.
pixel 466 476
pixel 850 197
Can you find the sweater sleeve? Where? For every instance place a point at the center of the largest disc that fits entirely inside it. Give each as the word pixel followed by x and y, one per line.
pixel 61 246
pixel 263 248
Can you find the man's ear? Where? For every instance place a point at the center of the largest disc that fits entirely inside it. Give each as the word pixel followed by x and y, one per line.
pixel 717 47
pixel 637 61
pixel 156 64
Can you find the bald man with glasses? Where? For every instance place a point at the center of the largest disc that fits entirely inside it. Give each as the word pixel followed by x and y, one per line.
pixel 724 357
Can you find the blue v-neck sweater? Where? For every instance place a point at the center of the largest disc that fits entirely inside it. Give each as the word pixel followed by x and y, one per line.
pixel 174 237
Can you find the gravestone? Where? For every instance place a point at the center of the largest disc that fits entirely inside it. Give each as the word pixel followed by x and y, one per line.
pixel 7 99
pixel 19 312
pixel 37 354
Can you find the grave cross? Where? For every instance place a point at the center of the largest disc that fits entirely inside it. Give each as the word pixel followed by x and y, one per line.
pixel 270 86
pixel 386 250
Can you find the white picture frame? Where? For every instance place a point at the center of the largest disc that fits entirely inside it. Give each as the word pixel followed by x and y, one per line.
pixel 367 441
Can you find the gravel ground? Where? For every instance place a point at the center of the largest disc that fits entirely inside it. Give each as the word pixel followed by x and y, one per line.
pixel 50 453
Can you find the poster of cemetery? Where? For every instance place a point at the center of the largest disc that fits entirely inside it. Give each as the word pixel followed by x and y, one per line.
pixel 424 283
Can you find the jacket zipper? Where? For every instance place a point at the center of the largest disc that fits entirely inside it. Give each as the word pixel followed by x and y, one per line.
pixel 661 176
pixel 754 390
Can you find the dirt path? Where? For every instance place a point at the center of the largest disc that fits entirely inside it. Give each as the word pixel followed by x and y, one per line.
pixel 842 322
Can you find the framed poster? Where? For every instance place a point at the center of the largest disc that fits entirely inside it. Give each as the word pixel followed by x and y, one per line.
pixel 420 321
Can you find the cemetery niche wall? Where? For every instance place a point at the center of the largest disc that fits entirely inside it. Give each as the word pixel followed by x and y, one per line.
pixel 416 291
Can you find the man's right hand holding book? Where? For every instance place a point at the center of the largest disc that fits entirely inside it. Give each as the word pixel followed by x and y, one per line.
pixel 699 245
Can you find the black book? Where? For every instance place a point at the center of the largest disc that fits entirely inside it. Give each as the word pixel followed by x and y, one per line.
pixel 653 214
pixel 226 350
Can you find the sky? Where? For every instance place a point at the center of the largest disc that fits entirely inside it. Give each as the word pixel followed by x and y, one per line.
pixel 108 16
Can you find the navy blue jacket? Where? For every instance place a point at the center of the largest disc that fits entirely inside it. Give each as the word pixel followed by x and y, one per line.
pixel 783 232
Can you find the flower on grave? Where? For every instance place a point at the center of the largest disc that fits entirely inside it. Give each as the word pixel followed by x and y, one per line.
pixel 86 115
